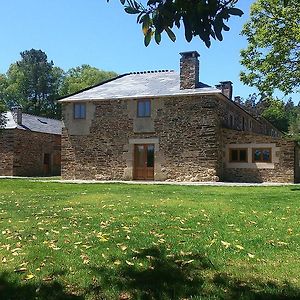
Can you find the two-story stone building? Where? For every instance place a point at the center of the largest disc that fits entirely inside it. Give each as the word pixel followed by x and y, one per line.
pixel 30 145
pixel 162 125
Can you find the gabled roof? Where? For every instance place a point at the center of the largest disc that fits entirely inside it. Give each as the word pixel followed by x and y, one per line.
pixel 34 123
pixel 139 85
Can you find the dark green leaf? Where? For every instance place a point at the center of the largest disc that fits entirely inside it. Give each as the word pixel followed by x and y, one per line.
pixel 235 11
pixel 131 10
pixel 148 37
pixel 157 37
pixel 170 34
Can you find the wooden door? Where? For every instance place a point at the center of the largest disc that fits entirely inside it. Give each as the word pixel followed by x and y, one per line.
pixel 143 162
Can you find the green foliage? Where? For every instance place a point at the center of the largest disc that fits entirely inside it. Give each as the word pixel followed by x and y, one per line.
pixel 2 110
pixel 82 77
pixel 272 58
pixel 294 129
pixel 282 115
pixel 33 83
pixel 200 18
pixel 276 114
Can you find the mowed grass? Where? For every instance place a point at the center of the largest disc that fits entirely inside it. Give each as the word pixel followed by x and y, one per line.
pixel 119 241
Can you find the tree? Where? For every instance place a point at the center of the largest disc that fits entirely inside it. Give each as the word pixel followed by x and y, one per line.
pixel 294 129
pixel 200 18
pixel 272 57
pixel 276 114
pixel 2 110
pixel 82 77
pixel 33 83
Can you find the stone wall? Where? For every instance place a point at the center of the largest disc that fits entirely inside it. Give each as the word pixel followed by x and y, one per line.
pixel 184 132
pixel 29 150
pixel 22 153
pixel 6 152
pixel 280 170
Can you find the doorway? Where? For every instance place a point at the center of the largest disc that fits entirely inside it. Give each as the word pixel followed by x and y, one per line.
pixel 143 162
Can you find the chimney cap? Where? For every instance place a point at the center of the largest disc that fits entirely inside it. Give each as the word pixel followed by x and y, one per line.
pixel 226 82
pixel 188 54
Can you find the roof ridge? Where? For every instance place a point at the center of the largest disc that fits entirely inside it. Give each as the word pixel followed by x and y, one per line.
pixel 151 71
pixel 24 113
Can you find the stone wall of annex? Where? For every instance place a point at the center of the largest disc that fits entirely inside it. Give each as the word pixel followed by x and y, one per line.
pixel 6 152
pixel 184 130
pixel 282 168
pixel 22 153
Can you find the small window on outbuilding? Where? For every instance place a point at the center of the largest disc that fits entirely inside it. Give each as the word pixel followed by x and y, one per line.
pixel 231 120
pixel 238 155
pixel 79 111
pixel 144 108
pixel 262 155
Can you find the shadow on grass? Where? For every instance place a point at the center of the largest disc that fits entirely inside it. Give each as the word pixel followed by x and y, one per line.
pixel 255 290
pixel 166 277
pixel 49 291
pixel 182 277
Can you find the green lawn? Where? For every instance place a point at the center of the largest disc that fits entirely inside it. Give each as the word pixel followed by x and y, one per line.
pixel 119 241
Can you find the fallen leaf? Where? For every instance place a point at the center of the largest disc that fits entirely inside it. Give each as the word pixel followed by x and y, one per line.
pixel 29 276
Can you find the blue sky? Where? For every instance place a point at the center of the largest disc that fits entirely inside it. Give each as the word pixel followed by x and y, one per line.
pixel 75 32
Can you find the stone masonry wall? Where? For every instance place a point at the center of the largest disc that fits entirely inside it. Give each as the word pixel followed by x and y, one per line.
pixel 6 152
pixel 29 149
pixel 186 129
pixel 283 170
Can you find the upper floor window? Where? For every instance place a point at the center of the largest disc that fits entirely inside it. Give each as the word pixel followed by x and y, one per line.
pixel 79 110
pixel 231 120
pixel 143 108
pixel 243 124
pixel 262 155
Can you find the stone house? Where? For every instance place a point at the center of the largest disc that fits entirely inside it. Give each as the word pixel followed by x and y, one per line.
pixel 30 145
pixel 161 125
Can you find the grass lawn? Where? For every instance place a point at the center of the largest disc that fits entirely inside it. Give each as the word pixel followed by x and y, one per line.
pixel 118 241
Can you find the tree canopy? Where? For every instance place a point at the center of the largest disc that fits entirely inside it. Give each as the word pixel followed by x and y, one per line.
pixel 200 18
pixel 272 57
pixel 35 83
pixel 82 77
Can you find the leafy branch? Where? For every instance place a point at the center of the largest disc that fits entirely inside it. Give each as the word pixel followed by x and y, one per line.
pixel 200 18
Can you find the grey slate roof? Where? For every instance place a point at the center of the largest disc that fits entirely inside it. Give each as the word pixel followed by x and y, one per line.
pixel 139 85
pixel 34 123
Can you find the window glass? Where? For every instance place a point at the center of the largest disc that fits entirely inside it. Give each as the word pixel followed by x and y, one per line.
pixel 266 155
pixel 243 155
pixel 150 156
pixel 144 108
pixel 238 155
pixel 79 111
pixel 262 155
pixel 257 155
pixel 234 155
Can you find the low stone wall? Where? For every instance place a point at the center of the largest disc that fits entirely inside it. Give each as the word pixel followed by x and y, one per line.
pixel 280 170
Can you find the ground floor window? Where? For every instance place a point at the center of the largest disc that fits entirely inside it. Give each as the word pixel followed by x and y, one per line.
pixel 261 155
pixel 238 155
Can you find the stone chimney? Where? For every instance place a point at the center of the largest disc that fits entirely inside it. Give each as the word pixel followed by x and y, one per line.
pixel 17 114
pixel 226 88
pixel 189 70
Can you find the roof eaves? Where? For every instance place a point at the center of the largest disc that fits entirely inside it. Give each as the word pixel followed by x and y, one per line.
pixel 144 96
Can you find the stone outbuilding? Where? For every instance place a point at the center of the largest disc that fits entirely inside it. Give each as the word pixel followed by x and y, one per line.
pixel 30 145
pixel 164 125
